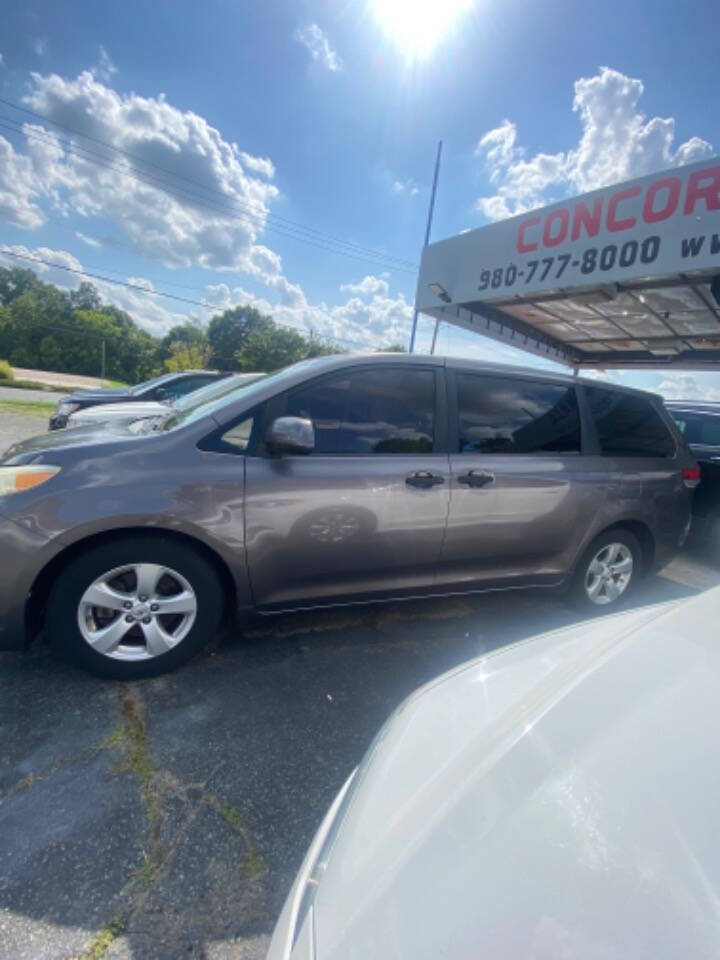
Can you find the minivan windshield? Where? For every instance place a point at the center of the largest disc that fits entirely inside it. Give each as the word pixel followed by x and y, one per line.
pixel 245 391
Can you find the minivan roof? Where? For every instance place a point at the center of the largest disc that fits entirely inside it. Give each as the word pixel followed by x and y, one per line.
pixel 334 361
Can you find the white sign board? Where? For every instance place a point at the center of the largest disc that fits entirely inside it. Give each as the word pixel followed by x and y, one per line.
pixel 661 225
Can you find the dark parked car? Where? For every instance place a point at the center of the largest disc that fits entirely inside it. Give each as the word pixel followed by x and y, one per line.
pixel 337 480
pixel 700 424
pixel 170 386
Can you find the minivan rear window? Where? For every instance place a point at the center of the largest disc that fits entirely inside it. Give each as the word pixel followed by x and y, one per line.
pixel 509 415
pixel 628 425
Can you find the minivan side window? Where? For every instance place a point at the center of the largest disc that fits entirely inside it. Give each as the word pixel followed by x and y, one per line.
pixel 628 425
pixel 508 415
pixel 385 411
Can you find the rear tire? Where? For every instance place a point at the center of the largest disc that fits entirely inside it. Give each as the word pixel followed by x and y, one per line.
pixel 607 572
pixel 134 607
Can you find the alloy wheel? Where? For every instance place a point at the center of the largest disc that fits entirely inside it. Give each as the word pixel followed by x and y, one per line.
pixel 137 611
pixel 609 573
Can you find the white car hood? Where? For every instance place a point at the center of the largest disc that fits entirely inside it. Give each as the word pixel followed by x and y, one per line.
pixel 556 800
pixel 119 411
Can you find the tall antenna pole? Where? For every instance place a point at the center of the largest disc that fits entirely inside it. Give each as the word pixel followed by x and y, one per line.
pixel 427 235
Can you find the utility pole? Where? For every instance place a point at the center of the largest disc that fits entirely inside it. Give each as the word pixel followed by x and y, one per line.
pixel 427 236
pixel 102 361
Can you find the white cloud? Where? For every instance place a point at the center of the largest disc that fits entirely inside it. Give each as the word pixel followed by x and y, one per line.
pixel 2 60
pixel 178 229
pixel 90 241
pixel 313 38
pixel 40 46
pixel 262 165
pixel 617 143
pixel 405 186
pixel 19 189
pixel 189 197
pixel 369 285
pixel 105 68
pixel 379 320
pixel 687 387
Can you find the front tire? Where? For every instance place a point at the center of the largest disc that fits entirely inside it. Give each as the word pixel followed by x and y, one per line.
pixel 134 607
pixel 608 571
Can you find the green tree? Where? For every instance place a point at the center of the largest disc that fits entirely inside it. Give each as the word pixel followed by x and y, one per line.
pixel 321 348
pixel 229 332
pixel 186 356
pixel 85 297
pixel 190 335
pixel 272 348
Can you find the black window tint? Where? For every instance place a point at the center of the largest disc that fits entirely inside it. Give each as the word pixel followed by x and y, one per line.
pixel 504 415
pixel 689 425
pixel 628 426
pixel 710 432
pixel 187 385
pixel 325 402
pixel 370 411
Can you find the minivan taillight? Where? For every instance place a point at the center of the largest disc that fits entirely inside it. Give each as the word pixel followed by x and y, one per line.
pixel 691 476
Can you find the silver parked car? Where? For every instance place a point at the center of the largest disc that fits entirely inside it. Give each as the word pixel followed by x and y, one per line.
pixel 157 410
pixel 337 480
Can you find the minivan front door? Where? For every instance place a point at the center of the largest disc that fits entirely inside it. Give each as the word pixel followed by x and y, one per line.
pixel 364 515
pixel 522 497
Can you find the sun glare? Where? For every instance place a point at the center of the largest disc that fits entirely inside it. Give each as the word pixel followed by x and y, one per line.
pixel 418 26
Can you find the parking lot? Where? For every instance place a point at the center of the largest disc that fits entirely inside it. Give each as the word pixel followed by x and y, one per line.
pixel 167 817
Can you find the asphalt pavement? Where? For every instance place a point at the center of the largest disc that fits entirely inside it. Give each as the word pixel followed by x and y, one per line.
pixel 16 427
pixel 36 396
pixel 167 818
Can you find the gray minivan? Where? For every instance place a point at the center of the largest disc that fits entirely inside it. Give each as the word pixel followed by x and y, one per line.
pixel 337 480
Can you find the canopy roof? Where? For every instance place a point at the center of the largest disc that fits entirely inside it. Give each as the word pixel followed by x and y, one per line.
pixel 620 277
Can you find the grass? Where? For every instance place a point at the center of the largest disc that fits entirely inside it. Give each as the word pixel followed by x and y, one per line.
pixel 36 385
pixel 103 941
pixel 27 408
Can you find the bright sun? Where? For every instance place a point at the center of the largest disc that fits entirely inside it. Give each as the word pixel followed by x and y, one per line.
pixel 417 26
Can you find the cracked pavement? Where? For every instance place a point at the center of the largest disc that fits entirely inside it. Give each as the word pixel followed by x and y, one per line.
pixel 166 818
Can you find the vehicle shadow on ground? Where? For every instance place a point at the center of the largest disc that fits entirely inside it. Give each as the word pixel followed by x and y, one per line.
pixel 168 817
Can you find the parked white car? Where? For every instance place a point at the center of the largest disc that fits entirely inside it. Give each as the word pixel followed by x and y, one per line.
pixel 555 799
pixel 150 409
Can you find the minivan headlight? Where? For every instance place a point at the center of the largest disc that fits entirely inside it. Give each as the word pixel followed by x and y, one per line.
pixel 17 479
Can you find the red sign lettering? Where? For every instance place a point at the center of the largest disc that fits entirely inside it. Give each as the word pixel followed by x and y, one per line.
pixel 590 221
pixel 613 224
pixel 698 190
pixel 560 216
pixel 522 245
pixel 673 185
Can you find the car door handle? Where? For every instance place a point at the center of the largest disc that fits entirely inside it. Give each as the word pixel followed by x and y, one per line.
pixel 424 479
pixel 476 478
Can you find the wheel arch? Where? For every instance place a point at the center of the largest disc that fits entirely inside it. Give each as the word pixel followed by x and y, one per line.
pixel 36 603
pixel 642 533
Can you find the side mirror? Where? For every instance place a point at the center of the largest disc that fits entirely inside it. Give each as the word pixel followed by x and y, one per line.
pixel 290 435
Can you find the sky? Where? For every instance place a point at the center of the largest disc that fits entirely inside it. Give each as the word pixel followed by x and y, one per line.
pixel 281 153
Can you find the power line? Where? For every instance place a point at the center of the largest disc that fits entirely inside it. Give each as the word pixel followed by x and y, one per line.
pixel 161 293
pixel 201 201
pixel 276 219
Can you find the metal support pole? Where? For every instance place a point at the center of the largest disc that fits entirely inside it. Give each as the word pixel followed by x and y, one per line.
pixel 102 362
pixel 427 235
pixel 435 333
